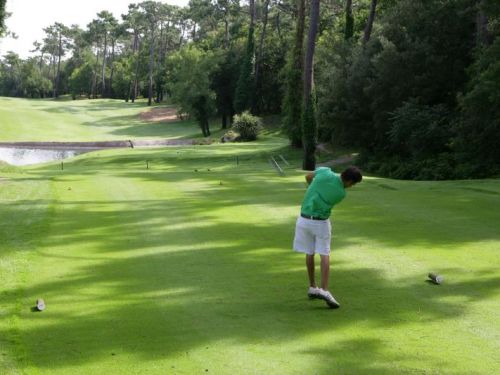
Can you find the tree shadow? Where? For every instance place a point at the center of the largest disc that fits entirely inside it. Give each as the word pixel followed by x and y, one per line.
pixel 168 303
pixel 203 263
pixel 158 279
pixel 82 106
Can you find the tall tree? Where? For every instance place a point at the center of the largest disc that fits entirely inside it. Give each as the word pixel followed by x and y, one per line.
pixel 203 15
pixel 133 22
pixel 2 16
pixel 223 9
pixel 168 32
pixel 108 25
pixel 56 43
pixel 483 36
pixel 10 72
pixel 94 38
pixel 309 127
pixel 293 100
pixel 38 48
pixel 117 33
pixel 369 23
pixel 245 86
pixel 349 21
pixel 151 12
pixel 258 57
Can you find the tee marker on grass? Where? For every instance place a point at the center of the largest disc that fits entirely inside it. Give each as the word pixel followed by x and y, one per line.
pixel 40 304
pixel 435 278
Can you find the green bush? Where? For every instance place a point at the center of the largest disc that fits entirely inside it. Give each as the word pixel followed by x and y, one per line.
pixel 247 125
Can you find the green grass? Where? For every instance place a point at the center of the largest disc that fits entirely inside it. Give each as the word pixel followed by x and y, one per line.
pixel 84 120
pixel 171 270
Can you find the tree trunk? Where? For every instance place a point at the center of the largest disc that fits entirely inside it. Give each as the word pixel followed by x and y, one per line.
pixel 224 120
pixel 226 32
pixel 294 93
pixel 483 36
pixel 202 115
pixel 207 128
pixel 132 84
pixel 311 45
pixel 161 57
pixel 308 123
pixel 244 93
pixel 278 26
pixel 258 58
pixel 103 73
pixel 181 37
pixel 127 98
pixel 110 87
pixel 369 24
pixel 94 77
pixel 151 65
pixel 41 63
pixel 136 81
pixel 56 86
pixel 349 21
pixel 251 4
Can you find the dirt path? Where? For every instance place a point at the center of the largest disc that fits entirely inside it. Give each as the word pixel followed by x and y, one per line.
pixel 341 160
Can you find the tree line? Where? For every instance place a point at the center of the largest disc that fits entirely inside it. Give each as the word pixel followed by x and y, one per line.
pixel 413 85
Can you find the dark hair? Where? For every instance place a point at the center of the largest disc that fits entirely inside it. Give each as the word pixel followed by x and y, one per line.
pixel 352 174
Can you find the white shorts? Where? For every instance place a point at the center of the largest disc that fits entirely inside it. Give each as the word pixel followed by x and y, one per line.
pixel 312 236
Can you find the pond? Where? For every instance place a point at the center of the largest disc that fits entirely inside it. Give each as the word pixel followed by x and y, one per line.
pixel 29 156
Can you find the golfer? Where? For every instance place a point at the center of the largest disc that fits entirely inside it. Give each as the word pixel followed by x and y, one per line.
pixel 313 230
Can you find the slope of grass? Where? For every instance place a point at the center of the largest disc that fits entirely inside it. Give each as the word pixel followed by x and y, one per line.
pixel 172 270
pixel 179 261
pixel 83 120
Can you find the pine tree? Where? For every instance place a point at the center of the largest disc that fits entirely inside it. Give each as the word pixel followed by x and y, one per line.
pixel 244 88
pixel 309 128
pixel 293 100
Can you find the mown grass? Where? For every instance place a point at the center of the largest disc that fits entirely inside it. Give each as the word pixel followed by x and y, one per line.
pixel 85 120
pixel 186 268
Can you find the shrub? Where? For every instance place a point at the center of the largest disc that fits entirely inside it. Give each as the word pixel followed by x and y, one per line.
pixel 247 125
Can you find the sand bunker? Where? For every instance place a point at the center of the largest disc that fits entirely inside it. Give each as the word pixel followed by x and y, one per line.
pixel 160 115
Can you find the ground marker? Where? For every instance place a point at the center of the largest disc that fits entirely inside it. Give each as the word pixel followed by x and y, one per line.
pixel 276 166
pixel 284 160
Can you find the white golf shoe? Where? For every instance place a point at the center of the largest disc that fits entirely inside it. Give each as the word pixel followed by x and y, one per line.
pixel 314 292
pixel 330 301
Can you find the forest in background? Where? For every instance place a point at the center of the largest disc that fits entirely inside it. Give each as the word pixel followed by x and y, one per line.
pixel 413 85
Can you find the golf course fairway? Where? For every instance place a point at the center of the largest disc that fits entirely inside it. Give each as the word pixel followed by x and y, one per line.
pixel 178 261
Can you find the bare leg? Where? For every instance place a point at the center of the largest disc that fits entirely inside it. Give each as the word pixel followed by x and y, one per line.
pixel 310 269
pixel 325 271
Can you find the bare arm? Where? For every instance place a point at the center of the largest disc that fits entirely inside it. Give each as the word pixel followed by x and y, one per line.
pixel 309 177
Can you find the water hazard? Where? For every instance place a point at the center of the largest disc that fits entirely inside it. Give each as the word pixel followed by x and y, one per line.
pixel 29 156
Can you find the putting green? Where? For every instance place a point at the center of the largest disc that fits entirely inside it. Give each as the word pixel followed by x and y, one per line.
pixel 172 270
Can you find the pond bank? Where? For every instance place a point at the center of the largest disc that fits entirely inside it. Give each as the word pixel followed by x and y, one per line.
pixel 27 153
pixel 98 145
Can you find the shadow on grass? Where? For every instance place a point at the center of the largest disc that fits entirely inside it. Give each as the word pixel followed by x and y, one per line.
pixel 156 278
pixel 158 306
pixel 161 278
pixel 81 106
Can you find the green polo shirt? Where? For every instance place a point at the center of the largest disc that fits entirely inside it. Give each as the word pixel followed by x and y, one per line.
pixel 324 192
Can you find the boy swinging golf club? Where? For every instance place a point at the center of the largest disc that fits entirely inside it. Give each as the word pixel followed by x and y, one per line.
pixel 313 228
